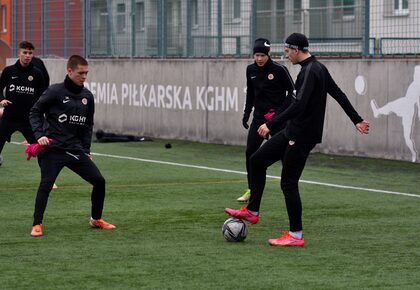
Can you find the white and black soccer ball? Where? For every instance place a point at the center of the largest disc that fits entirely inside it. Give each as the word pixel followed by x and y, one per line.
pixel 234 230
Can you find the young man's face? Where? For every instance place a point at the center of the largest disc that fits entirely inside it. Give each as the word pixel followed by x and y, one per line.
pixel 292 54
pixel 260 58
pixel 25 56
pixel 79 74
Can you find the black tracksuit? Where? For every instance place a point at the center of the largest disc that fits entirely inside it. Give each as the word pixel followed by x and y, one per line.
pixel 305 122
pixel 269 88
pixel 68 111
pixel 23 86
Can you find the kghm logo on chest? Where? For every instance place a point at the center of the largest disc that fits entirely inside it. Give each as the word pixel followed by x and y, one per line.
pixel 21 89
pixel 78 120
pixel 72 119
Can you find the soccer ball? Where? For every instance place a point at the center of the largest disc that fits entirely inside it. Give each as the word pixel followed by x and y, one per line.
pixel 234 230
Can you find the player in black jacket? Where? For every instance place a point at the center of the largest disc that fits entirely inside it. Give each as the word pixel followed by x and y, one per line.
pixel 23 84
pixel 269 87
pixel 66 133
pixel 292 145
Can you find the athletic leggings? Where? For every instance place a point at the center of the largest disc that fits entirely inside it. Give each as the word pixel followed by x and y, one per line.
pixel 52 162
pixel 293 156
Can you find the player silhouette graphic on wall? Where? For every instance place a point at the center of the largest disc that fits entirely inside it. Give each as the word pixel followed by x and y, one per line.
pixel 405 107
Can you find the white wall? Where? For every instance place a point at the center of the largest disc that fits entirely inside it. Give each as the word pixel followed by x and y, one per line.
pixel 203 100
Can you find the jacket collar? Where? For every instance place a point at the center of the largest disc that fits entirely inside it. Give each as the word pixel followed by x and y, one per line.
pixel 269 62
pixel 71 86
pixel 307 60
pixel 24 68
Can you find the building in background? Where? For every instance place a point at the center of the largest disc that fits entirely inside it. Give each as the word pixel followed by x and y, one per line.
pixel 55 27
pixel 215 28
pixel 5 31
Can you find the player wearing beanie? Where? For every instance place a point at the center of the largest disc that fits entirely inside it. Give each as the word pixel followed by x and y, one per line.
pixel 268 84
pixel 297 41
pixel 292 145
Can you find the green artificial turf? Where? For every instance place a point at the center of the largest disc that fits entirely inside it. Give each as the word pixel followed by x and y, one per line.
pixel 169 220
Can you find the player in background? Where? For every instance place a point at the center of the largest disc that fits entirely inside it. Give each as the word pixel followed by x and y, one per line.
pixel 23 84
pixel 269 90
pixel 39 64
pixel 305 121
pixel 67 110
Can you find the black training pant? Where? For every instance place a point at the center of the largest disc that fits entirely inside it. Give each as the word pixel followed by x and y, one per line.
pixel 52 162
pixel 253 143
pixel 293 156
pixel 8 127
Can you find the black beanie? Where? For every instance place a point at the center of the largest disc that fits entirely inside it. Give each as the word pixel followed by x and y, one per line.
pixel 262 45
pixel 297 41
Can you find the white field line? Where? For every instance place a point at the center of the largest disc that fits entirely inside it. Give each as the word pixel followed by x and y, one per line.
pixel 244 173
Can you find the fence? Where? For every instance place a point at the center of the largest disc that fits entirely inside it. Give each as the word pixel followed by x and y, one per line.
pixel 216 28
pixel 55 27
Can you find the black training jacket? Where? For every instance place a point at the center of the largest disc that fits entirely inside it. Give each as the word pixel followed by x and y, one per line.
pixel 22 86
pixel 266 88
pixel 307 111
pixel 69 111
